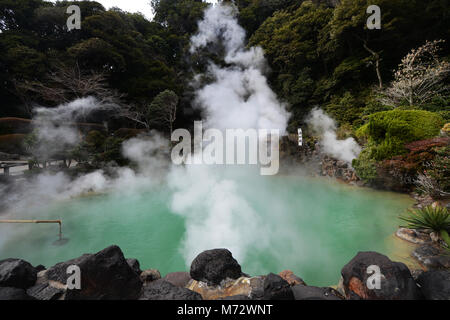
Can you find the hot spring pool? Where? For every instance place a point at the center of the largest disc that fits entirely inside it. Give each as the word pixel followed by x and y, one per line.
pixel 310 226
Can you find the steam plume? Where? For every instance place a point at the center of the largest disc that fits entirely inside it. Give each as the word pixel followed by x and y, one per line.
pixel 239 97
pixel 345 150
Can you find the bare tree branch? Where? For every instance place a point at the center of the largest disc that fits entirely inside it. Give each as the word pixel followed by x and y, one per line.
pixel 419 78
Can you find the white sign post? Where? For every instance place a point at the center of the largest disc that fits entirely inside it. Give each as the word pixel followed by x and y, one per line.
pixel 300 138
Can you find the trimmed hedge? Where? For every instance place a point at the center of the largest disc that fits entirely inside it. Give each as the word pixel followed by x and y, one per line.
pixel 24 126
pixel 14 125
pixel 12 143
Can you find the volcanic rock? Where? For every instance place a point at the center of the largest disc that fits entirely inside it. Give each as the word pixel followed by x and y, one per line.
pixel 17 273
pixel 214 266
pixel 276 288
pixel 396 282
pixel 8 293
pixel 435 285
pixel 134 264
pixel 105 275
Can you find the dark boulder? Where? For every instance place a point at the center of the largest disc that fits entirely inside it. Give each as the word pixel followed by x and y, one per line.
pixel 134 264
pixel 163 290
pixel 213 266
pixel 17 273
pixel 396 282
pixel 13 294
pixel 105 275
pixel 276 288
pixel 45 291
pixel 302 292
pixel 435 285
pixel 179 279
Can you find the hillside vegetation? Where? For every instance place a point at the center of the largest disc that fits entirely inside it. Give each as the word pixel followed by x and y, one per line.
pixel 386 87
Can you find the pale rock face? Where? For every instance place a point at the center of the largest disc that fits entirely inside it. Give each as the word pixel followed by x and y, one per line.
pixel 243 286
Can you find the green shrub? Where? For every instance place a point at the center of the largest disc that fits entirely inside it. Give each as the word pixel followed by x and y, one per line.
pixel 374 106
pixel 389 131
pixel 436 219
pixel 364 166
pixel 345 108
pixel 112 152
pixel 429 218
pixel 445 114
pixel 439 170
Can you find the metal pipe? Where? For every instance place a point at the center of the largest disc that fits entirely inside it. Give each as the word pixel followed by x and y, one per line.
pixel 37 221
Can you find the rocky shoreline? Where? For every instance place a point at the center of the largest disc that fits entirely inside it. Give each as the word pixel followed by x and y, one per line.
pixel 214 275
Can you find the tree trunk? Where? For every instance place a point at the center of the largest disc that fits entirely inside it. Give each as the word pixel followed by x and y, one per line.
pixel 377 64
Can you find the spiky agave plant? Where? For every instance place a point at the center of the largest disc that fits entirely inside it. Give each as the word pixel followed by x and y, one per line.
pixel 436 219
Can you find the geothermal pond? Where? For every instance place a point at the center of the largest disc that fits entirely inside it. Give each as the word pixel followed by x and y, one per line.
pixel 311 226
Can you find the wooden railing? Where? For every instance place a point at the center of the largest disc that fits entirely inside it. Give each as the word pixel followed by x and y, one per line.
pixel 37 221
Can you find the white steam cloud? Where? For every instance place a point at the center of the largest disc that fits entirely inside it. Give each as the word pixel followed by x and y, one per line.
pixel 216 214
pixel 55 128
pixel 240 96
pixel 321 123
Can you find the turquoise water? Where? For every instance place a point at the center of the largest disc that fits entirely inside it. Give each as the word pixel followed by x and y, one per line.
pixel 310 226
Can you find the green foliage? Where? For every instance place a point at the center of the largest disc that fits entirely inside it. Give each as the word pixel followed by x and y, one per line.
pixel 96 149
pixel 254 12
pixel 25 62
pixel 16 14
pixel 97 53
pixel 320 55
pixel 137 56
pixel 344 131
pixel 388 131
pixel 162 111
pixel 315 50
pixel 112 152
pixel 181 16
pixel 373 106
pixel 365 166
pixel 345 109
pixel 439 170
pixel 292 40
pixel 435 219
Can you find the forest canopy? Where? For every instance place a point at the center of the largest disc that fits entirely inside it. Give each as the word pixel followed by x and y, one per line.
pixel 319 52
